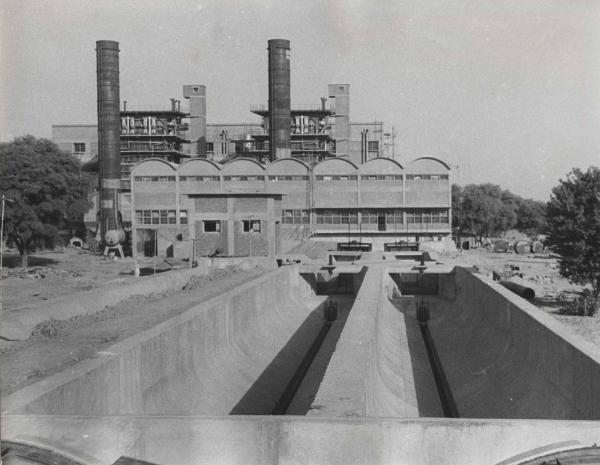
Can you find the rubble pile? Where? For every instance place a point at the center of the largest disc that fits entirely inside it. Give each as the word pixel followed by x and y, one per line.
pixel 40 272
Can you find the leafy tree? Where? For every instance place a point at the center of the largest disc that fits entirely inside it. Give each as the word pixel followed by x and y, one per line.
pixel 531 216
pixel 483 209
pixel 573 216
pixel 47 190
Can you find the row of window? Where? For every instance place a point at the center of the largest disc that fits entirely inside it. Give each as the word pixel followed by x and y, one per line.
pixel 295 217
pixel 252 226
pixel 376 217
pixel 426 177
pixel 199 178
pixel 160 217
pixel 243 178
pixel 369 177
pixel 154 179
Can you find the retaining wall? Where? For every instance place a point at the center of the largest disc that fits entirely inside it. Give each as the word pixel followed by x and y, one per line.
pixel 233 353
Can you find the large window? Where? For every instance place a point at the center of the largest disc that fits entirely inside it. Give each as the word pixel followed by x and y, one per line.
pixel 183 217
pixel 294 217
pixel 337 217
pixel 79 147
pixel 155 217
pixel 427 216
pixel 212 226
pixel 251 226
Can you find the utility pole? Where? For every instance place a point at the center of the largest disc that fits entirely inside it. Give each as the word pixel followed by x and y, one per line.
pixel 4 199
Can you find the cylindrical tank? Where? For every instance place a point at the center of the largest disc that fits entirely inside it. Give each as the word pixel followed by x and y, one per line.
pixel 537 247
pixel 114 237
pixel 522 247
pixel 500 245
pixel 109 134
pixel 279 99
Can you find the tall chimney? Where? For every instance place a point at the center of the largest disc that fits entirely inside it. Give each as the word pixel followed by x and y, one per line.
pixel 109 134
pixel 279 99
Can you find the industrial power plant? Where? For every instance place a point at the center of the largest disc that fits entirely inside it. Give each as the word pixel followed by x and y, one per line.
pixel 384 350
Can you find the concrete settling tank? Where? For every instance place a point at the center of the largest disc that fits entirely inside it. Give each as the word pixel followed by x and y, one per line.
pixel 225 381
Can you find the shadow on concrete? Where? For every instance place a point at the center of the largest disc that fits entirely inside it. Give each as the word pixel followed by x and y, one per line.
pixel 428 400
pixel 266 391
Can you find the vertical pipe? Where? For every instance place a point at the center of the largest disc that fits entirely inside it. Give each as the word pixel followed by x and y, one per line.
pixel 109 134
pixel 279 99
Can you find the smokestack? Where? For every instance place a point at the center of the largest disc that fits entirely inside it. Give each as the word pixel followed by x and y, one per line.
pixel 279 99
pixel 109 134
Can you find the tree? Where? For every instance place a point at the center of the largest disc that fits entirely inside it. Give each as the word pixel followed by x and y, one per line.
pixel 531 216
pixel 483 209
pixel 573 216
pixel 47 190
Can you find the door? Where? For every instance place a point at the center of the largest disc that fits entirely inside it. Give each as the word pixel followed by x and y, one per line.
pixel 381 222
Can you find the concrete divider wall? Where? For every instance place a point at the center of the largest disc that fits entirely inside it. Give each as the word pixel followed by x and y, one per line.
pixel 505 358
pixel 204 361
pixel 372 372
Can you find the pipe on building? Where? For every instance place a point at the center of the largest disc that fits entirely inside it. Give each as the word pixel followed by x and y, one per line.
pixel 109 134
pixel 279 99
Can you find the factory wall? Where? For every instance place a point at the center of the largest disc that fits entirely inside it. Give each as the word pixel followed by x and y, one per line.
pixel 80 140
pixel 336 199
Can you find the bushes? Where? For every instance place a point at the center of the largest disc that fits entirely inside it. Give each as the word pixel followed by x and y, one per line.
pixel 584 305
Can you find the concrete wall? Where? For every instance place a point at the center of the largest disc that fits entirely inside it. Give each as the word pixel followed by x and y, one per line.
pixel 504 358
pixel 232 353
pixel 297 440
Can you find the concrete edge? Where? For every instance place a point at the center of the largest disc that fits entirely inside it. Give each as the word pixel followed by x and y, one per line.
pixel 560 329
pixel 29 393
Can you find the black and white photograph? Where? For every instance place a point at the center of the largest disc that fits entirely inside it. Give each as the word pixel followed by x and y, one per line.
pixel 321 232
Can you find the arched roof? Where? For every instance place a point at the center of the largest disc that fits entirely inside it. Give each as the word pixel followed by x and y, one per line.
pixel 427 165
pixel 199 166
pixel 288 166
pixel 241 166
pixel 335 166
pixel 153 167
pixel 381 165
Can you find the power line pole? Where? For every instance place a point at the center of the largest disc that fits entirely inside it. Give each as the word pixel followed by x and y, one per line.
pixel 4 199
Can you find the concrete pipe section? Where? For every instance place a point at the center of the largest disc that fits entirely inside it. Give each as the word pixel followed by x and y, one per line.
pixel 363 363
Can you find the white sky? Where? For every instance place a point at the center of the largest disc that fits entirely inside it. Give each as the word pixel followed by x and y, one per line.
pixel 507 90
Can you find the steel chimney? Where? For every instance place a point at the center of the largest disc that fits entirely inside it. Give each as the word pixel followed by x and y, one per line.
pixel 279 99
pixel 109 135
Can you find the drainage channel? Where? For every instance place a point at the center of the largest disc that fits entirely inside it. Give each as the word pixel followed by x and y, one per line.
pixel 441 382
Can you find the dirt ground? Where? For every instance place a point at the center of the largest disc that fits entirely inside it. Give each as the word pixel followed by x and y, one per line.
pixel 57 344
pixel 55 273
